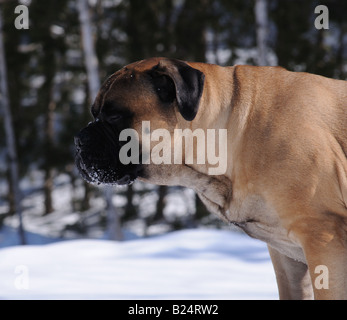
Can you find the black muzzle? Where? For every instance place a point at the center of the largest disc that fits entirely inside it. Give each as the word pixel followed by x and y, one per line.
pixel 97 155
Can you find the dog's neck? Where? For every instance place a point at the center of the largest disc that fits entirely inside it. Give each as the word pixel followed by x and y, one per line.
pixel 221 99
pixel 220 105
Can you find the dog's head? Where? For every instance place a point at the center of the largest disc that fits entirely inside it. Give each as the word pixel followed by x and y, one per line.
pixel 157 90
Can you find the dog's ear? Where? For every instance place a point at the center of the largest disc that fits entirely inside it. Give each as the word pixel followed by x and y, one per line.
pixel 174 79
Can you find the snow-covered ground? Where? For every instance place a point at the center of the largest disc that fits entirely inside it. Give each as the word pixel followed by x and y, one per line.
pixel 203 263
pixel 190 264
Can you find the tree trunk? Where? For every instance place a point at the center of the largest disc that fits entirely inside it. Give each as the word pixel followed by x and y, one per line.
pixel 261 19
pixel 114 230
pixel 10 137
pixel 340 53
pixel 90 58
pixel 85 205
pixel 200 209
pixel 159 214
pixel 47 190
pixel 49 142
pixel 129 210
pixel 91 64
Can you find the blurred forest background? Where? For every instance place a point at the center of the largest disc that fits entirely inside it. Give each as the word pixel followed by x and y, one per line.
pixel 49 93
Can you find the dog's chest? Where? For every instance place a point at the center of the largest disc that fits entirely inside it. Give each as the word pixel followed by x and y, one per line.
pixel 259 220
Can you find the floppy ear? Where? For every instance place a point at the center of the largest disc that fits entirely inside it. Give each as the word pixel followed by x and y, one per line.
pixel 174 79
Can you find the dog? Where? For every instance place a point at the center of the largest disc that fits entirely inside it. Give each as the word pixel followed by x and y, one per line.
pixel 286 176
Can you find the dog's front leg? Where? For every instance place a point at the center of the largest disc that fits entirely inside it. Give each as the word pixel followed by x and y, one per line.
pixel 293 278
pixel 327 265
pixel 324 243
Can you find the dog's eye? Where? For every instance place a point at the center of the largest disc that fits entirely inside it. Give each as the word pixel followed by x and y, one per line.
pixel 165 88
pixel 114 118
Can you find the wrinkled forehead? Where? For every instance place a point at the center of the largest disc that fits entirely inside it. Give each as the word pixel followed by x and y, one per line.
pixel 122 78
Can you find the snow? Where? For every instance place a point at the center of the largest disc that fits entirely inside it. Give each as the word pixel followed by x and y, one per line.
pixel 190 264
pixel 201 263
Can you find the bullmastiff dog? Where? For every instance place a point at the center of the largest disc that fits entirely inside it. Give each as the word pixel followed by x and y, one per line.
pixel 286 177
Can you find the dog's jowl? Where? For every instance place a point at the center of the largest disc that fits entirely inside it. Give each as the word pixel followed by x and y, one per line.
pixel 283 154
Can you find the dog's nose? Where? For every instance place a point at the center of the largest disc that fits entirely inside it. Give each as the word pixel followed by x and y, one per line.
pixel 81 139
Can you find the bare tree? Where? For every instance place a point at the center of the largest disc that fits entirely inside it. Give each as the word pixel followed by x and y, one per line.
pixel 10 136
pixel 262 22
pixel 91 64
